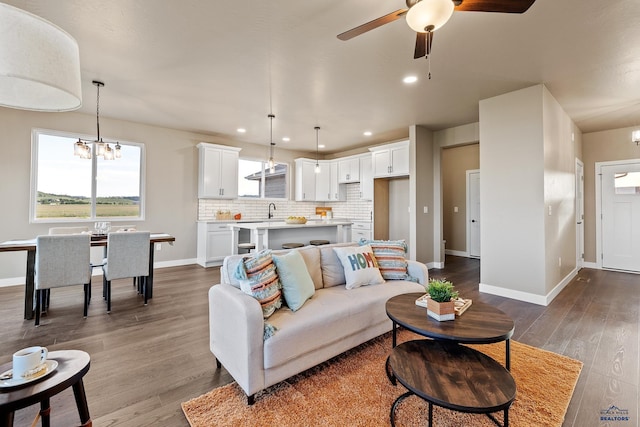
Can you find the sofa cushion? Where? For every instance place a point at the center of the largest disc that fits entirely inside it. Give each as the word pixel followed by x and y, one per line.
pixel 332 271
pixel 258 278
pixel 311 256
pixel 390 255
pixel 333 314
pixel 360 266
pixel 297 285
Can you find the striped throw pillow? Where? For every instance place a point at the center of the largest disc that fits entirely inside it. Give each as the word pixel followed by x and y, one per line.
pixel 258 278
pixel 390 256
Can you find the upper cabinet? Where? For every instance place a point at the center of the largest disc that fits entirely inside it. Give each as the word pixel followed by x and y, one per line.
pixel 348 170
pixel 390 160
pixel 320 187
pixel 218 171
pixel 305 180
pixel 366 178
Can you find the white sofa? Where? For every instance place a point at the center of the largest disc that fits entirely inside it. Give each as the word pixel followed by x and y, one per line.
pixel 332 321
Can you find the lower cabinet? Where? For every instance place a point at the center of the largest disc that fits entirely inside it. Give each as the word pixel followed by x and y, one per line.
pixel 214 243
pixel 361 230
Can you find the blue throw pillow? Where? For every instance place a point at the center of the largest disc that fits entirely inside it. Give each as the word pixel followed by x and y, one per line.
pixel 297 285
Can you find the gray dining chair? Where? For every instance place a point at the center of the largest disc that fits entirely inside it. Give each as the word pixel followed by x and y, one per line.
pixel 67 230
pixel 61 260
pixel 127 256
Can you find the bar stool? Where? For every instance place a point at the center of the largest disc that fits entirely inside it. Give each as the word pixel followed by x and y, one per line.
pixel 292 245
pixel 319 242
pixel 246 246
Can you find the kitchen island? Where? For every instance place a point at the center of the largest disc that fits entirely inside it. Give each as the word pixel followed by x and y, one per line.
pixel 272 234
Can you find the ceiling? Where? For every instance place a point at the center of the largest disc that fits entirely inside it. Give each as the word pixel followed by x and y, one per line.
pixel 214 66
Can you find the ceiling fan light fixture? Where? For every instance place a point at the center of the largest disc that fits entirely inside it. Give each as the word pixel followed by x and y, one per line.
pixel 429 15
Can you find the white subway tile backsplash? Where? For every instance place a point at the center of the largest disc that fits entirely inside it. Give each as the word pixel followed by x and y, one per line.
pixel 353 208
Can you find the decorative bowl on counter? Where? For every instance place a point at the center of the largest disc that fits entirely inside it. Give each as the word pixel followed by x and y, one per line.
pixel 296 220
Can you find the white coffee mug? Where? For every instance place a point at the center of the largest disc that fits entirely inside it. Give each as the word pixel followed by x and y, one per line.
pixel 28 359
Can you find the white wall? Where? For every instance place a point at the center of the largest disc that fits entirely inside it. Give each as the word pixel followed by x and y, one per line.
pixel 559 193
pixel 527 195
pixel 171 179
pixel 512 192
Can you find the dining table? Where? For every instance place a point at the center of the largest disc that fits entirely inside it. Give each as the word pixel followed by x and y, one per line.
pixel 29 245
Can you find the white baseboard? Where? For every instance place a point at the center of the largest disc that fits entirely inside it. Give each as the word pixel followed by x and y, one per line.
pixel 593 265
pixel 97 272
pixel 435 265
pixel 11 281
pixel 526 296
pixel 456 253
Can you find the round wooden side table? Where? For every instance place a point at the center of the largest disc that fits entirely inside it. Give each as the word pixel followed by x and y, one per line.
pixel 72 366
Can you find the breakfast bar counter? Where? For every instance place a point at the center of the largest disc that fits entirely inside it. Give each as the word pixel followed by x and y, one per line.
pixel 272 234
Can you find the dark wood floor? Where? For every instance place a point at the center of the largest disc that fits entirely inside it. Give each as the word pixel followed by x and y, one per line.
pixel 146 360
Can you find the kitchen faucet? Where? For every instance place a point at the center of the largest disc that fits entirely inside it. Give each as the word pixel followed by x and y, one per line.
pixel 274 208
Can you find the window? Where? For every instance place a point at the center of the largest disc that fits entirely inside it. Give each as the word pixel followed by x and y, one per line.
pixel 627 183
pixel 62 184
pixel 257 181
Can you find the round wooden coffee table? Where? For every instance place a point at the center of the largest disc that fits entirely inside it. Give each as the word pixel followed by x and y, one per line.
pixel 72 366
pixel 452 376
pixel 480 324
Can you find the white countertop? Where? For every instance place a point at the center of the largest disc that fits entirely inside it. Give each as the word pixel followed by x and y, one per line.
pixel 270 225
pixel 260 220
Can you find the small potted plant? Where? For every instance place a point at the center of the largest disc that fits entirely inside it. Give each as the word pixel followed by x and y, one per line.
pixel 440 305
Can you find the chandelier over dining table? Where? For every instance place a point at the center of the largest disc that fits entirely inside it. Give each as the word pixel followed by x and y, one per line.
pixel 82 148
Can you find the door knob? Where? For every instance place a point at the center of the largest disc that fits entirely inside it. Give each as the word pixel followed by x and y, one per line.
pixel 473 220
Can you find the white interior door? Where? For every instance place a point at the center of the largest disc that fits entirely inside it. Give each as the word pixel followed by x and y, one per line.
pixel 579 213
pixel 473 213
pixel 620 188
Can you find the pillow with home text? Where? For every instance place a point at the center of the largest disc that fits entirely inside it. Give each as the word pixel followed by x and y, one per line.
pixel 360 266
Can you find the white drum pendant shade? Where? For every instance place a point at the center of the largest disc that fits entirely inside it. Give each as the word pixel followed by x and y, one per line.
pixel 39 63
pixel 427 13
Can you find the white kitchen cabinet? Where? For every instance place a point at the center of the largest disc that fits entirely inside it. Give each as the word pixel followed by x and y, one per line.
pixel 390 160
pixel 337 192
pixel 361 230
pixel 319 187
pixel 323 182
pixel 214 243
pixel 305 180
pixel 366 177
pixel 348 170
pixel 218 171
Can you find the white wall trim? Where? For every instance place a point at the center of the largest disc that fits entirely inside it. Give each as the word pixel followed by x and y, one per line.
pixel 19 281
pixel 513 294
pixel 12 281
pixel 598 182
pixel 456 253
pixel 526 296
pixel 593 265
pixel 468 211
pixel 437 265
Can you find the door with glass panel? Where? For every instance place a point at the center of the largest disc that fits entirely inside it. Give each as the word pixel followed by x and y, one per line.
pixel 621 216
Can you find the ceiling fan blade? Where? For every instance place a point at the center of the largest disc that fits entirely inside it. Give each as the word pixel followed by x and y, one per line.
pixel 372 24
pixel 503 6
pixel 421 45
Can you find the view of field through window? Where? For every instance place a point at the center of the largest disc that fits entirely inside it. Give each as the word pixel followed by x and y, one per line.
pixel 64 181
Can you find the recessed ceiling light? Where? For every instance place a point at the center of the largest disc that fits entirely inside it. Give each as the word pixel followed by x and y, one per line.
pixel 367 133
pixel 321 146
pixel 410 79
pixel 286 139
pixel 241 130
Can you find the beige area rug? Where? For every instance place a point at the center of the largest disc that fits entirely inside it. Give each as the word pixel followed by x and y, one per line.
pixel 353 390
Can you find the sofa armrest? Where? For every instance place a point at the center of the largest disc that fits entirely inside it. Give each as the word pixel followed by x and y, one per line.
pixel 418 270
pixel 235 335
